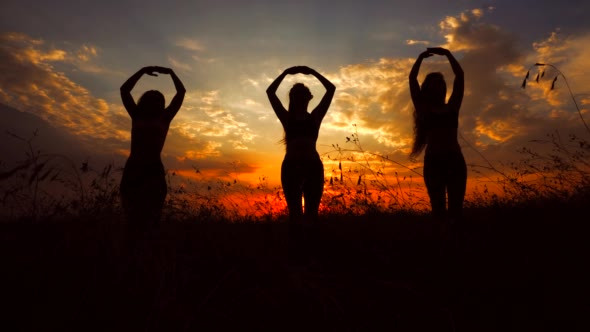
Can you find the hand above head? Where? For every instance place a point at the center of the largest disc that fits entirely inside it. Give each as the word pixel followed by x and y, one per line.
pixel 426 54
pixel 438 50
pixel 293 70
pixel 306 70
pixel 149 70
pixel 299 70
pixel 152 70
pixel 163 70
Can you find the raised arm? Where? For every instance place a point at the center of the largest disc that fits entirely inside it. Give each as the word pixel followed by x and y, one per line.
pixel 414 85
pixel 271 92
pixel 320 111
pixel 459 84
pixel 177 100
pixel 126 88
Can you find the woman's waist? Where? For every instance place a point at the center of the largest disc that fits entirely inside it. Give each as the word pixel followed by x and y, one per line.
pixel 443 138
pixel 302 154
pixel 442 142
pixel 301 142
pixel 301 145
pixel 152 160
pixel 149 152
pixel 438 149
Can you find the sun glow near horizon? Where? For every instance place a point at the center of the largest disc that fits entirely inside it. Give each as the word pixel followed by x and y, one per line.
pixel 226 128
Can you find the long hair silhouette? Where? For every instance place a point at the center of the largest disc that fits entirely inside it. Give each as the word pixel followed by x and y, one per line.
pixel 302 171
pixel 435 128
pixel 143 185
pixel 432 93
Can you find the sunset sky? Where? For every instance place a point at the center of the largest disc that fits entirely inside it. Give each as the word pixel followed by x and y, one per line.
pixel 64 61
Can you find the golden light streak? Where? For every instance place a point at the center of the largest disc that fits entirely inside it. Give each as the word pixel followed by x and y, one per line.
pixel 499 130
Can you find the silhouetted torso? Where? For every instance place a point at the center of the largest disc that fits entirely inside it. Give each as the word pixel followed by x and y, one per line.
pixel 441 126
pixel 148 134
pixel 302 171
pixel 436 123
pixel 301 134
pixel 143 184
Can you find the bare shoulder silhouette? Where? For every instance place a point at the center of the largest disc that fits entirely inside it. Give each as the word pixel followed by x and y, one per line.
pixel 436 122
pixel 302 171
pixel 143 185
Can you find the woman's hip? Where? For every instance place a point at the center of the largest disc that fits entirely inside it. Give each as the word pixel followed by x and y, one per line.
pixel 446 163
pixel 143 175
pixel 302 165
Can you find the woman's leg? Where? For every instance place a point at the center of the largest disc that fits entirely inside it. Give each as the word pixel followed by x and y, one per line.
pixel 457 183
pixel 292 188
pixel 291 182
pixel 434 178
pixel 128 204
pixel 129 197
pixel 153 199
pixel 143 192
pixel 313 188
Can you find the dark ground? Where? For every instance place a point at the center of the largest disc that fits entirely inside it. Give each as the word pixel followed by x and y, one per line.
pixel 502 270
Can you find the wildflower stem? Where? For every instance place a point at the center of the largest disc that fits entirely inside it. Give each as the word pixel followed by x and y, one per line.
pixel 568 88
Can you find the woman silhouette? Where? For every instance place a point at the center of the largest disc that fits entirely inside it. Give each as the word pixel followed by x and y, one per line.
pixel 302 171
pixel 143 185
pixel 435 127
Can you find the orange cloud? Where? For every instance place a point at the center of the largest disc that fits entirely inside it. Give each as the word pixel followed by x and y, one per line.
pixel 32 84
pixel 497 116
pixel 179 65
pixel 417 42
pixel 210 150
pixel 206 115
pixel 86 52
pixel 375 97
pixel 190 44
pixel 498 130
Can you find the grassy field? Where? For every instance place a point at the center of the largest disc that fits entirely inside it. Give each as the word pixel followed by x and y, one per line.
pixel 520 268
pixel 376 261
